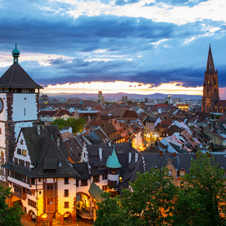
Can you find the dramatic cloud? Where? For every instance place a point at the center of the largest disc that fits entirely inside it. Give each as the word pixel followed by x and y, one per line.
pixel 145 41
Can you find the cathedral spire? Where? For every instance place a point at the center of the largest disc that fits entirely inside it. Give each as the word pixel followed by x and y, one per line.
pixel 210 64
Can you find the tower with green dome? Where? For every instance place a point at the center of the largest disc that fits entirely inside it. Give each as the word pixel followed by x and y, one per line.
pixel 113 165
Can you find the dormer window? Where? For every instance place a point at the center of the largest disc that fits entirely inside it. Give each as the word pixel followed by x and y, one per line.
pixel 182 173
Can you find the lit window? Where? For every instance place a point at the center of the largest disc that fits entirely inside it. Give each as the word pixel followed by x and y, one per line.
pixel 24 153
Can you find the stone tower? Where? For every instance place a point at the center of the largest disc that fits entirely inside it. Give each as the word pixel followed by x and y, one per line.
pixel 210 86
pixel 19 99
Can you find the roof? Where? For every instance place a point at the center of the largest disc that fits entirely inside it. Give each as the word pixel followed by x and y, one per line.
pixel 17 77
pixel 112 161
pixel 210 64
pixel 96 192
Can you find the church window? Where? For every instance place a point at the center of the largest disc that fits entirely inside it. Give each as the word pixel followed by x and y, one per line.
pixel 18 151
pixel 215 82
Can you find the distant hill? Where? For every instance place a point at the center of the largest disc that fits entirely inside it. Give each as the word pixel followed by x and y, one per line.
pixel 119 95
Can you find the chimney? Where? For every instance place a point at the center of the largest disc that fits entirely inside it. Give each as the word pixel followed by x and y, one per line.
pixel 100 154
pixel 161 154
pixel 38 129
pixel 130 156
pixel 58 140
pixel 174 155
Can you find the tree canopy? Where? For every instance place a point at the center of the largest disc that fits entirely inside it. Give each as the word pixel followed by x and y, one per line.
pixel 76 124
pixel 154 200
pixel 9 215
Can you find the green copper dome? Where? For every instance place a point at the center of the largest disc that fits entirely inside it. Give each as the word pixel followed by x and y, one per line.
pixel 112 161
pixel 15 54
pixel 15 51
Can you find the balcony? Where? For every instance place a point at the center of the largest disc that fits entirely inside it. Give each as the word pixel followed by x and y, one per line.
pixel 20 195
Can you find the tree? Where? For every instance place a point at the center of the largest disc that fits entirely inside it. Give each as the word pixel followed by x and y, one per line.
pixel 151 198
pixel 203 196
pixel 111 213
pixel 9 215
pixel 76 124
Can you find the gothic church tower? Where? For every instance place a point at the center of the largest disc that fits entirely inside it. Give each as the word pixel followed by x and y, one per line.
pixel 210 86
pixel 19 99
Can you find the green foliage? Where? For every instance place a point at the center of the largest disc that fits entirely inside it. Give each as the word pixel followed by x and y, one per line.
pixel 154 200
pixel 204 193
pixel 12 215
pixel 76 124
pixel 111 213
pixel 151 194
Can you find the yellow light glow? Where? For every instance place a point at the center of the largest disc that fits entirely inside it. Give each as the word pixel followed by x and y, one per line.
pixel 122 86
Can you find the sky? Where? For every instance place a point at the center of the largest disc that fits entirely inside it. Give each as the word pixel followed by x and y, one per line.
pixel 132 46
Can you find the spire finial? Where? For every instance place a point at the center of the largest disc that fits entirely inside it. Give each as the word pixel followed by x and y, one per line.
pixel 15 54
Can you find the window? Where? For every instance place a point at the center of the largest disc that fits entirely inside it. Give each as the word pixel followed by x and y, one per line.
pixel 181 173
pixel 66 180
pixel 77 183
pixel 104 187
pixel 18 151
pixel 49 186
pixel 31 203
pixel 28 165
pixel 83 182
pixel 24 111
pixel 96 179
pixel 32 181
pixel 66 193
pixel 170 172
pixel 66 204
pixel 21 162
pixel 49 201
pixel 104 177
pixel 39 179
pixel 24 153
pixel 182 184
pixel 15 161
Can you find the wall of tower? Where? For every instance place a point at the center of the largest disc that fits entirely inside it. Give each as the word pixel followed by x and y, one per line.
pixel 24 107
pixel 3 115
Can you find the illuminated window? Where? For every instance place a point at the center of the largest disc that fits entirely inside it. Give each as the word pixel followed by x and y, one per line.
pixel 24 153
pixel 15 161
pixel 182 184
pixel 83 182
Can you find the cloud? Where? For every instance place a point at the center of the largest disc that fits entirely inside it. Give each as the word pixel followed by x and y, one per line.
pixel 189 3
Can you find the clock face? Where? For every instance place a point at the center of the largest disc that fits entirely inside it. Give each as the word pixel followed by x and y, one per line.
pixel 1 105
